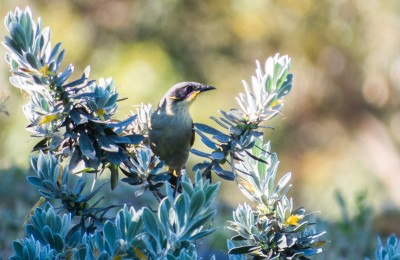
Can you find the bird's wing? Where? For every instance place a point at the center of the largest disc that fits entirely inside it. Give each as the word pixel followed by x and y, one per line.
pixel 193 136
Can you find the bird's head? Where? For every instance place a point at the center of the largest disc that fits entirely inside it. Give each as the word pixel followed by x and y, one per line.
pixel 185 92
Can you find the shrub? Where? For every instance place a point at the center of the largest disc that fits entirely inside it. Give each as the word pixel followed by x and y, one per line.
pixel 74 122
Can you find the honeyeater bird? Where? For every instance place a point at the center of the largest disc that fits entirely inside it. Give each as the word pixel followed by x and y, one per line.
pixel 171 133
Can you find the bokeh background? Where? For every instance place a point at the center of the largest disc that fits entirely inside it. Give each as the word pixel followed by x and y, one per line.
pixel 339 132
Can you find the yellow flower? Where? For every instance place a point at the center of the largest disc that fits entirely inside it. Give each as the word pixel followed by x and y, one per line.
pixel 45 71
pixel 48 119
pixel 293 220
pixel 247 185
pixel 277 103
pixel 100 112
pixel 139 254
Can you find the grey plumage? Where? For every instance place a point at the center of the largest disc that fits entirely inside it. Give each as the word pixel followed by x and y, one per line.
pixel 171 132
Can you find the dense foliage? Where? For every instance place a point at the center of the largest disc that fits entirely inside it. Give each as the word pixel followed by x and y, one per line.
pixel 74 120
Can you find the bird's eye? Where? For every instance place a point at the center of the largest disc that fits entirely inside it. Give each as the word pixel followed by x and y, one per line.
pixel 189 89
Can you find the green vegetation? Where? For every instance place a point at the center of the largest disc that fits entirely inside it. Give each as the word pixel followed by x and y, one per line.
pixel 342 109
pixel 73 119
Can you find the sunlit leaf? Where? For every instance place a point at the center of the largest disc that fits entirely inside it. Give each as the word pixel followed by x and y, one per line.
pixel 86 146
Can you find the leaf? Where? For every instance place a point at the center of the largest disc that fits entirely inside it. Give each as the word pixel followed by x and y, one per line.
pixel 78 117
pixel 211 193
pixel 196 224
pixel 48 235
pixel 163 216
pixel 235 115
pixel 217 155
pixel 32 231
pixel 158 167
pixel 58 243
pixel 196 203
pixel 116 158
pixel 18 249
pixel 220 123
pixel 255 157
pixel 238 238
pixel 229 119
pixel 75 158
pixel 202 233
pixel 110 233
pixel 54 52
pixel 119 139
pixel 200 166
pixel 59 60
pixel 75 83
pixel 85 96
pixel 223 138
pixel 207 141
pixel 32 60
pixel 132 180
pixel 50 186
pixel 135 139
pixel 26 24
pixel 207 129
pixel 18 35
pixel 150 223
pixel 170 193
pixel 310 252
pixel 79 186
pixel 74 239
pixel 93 193
pixel 12 45
pixel 188 188
pixel 106 144
pixel 200 153
pixel 120 126
pixel 283 182
pixel 99 240
pixel 243 250
pixel 86 146
pixel 301 227
pixel 103 256
pixel 64 75
pixel 114 175
pixel 56 141
pixel 47 195
pixel 35 181
pixel 227 175
pixel 181 208
pixel 286 87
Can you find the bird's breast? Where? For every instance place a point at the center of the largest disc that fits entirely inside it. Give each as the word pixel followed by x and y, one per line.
pixel 179 119
pixel 170 136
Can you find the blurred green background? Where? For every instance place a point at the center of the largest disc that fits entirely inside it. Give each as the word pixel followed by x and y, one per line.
pixel 340 127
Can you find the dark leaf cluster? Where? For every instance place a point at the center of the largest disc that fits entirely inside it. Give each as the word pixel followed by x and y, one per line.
pixel 53 182
pixel 73 117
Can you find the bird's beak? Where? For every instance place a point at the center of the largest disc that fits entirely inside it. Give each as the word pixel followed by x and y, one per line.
pixel 205 88
pixel 199 89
